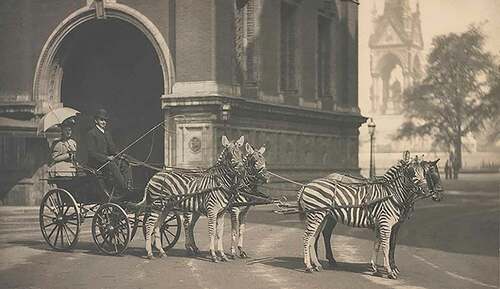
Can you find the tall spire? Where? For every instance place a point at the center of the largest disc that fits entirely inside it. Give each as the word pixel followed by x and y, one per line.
pixel 400 7
pixel 374 11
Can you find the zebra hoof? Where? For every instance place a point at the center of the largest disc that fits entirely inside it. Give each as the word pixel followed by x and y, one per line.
pixel 189 252
pixel 149 256
pixel 243 255
pixel 214 259
pixel 223 258
pixel 162 254
pixel 309 270
pixel 318 268
pixel 231 256
pixel 395 269
pixel 392 276
pixel 332 263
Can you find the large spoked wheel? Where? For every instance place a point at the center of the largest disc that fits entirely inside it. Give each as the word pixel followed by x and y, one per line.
pixel 111 229
pixel 59 219
pixel 170 230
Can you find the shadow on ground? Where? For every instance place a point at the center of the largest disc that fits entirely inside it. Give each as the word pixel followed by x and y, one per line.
pixel 297 264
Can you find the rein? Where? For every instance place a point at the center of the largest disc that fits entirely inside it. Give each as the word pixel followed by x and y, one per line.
pixel 286 179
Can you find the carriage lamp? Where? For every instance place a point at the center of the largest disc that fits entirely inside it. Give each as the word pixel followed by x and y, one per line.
pixel 226 108
pixel 371 131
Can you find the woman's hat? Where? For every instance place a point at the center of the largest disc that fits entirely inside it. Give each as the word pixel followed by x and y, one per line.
pixel 69 122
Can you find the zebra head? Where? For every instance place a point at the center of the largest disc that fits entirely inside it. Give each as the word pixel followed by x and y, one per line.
pixel 255 164
pixel 433 179
pixel 425 176
pixel 231 156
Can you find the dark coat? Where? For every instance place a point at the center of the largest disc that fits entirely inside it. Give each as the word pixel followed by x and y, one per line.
pixel 100 146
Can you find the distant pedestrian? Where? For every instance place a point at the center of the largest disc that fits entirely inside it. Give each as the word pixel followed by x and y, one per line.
pixel 455 167
pixel 447 170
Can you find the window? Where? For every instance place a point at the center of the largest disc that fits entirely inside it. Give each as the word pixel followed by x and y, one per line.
pixel 288 48
pixel 245 43
pixel 323 57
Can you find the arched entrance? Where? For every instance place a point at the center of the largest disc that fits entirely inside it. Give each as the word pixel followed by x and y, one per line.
pixel 389 82
pixel 121 63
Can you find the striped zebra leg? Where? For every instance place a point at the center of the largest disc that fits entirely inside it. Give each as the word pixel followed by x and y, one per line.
pixel 385 237
pixel 235 223
pixel 313 223
pixel 157 234
pixel 376 249
pixel 314 253
pixel 243 221
pixel 392 249
pixel 330 223
pixel 212 222
pixel 150 223
pixel 220 234
pixel 189 222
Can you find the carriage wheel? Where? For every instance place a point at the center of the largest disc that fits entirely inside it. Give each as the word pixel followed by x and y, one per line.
pixel 59 219
pixel 170 230
pixel 111 229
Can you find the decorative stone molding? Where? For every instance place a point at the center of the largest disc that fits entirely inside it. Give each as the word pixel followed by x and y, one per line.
pixel 316 103
pixel 199 88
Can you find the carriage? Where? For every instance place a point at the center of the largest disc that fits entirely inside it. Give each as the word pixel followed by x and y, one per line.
pixel 79 196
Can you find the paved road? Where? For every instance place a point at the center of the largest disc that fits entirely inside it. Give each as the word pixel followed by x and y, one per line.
pixel 452 244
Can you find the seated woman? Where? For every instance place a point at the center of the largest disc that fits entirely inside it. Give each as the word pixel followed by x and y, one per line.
pixel 63 152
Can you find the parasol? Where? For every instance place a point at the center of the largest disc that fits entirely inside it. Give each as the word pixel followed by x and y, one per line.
pixel 55 117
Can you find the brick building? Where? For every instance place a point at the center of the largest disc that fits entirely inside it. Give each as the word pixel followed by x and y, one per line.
pixel 281 72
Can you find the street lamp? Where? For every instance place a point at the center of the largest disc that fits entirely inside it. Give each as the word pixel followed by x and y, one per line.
pixel 371 131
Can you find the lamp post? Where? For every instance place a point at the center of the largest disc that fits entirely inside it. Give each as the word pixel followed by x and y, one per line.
pixel 371 131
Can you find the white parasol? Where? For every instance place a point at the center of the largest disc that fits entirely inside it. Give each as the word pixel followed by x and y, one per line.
pixel 55 117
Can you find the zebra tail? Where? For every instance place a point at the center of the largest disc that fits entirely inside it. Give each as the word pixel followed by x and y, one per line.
pixel 139 207
pixel 302 213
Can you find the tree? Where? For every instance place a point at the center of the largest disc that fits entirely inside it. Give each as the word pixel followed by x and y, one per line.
pixel 455 98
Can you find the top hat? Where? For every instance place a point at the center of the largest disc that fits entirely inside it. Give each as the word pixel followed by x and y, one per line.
pixel 101 114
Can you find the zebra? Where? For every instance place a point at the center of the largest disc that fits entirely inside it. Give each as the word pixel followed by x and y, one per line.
pixel 433 178
pixel 378 205
pixel 208 193
pixel 256 173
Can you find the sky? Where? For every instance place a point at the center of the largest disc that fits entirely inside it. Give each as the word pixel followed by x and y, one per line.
pixel 438 17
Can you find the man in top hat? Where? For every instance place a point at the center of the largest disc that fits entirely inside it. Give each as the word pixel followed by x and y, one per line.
pixel 102 151
pixel 63 151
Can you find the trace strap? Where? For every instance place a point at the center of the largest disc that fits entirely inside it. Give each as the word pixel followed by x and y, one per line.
pixel 286 179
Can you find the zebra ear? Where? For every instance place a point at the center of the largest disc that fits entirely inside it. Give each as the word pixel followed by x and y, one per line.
pixel 249 148
pixel 262 149
pixel 225 141
pixel 241 141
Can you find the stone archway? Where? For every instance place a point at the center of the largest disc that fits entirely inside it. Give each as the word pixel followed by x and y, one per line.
pixel 56 68
pixel 49 73
pixel 389 79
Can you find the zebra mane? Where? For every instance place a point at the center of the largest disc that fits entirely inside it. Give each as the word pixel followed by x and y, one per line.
pixel 393 173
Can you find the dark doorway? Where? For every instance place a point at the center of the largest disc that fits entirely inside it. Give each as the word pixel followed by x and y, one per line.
pixel 111 64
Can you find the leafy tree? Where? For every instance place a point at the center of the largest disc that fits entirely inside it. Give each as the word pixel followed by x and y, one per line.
pixel 455 98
